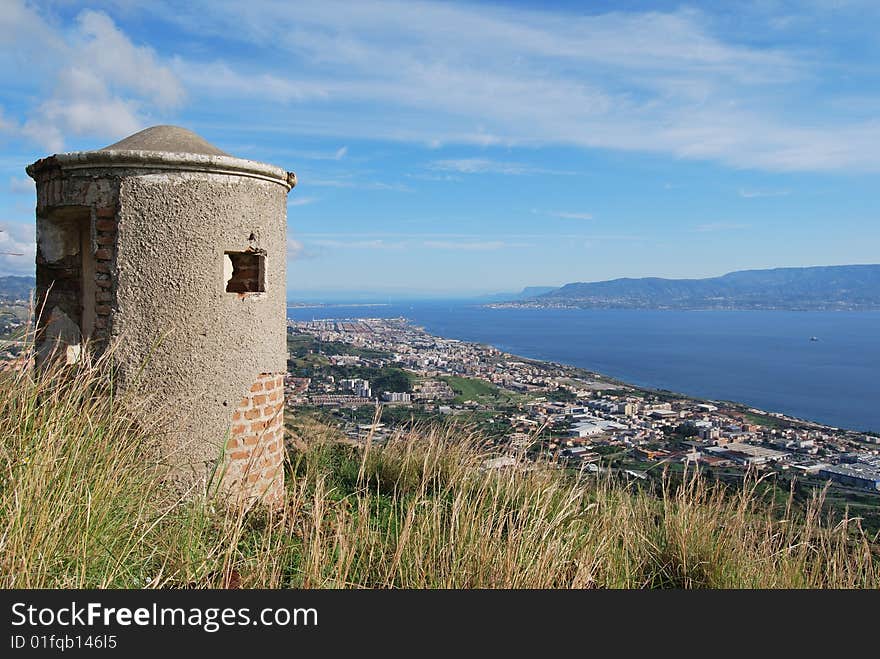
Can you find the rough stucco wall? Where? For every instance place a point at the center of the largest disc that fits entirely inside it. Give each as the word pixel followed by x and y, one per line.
pixel 183 338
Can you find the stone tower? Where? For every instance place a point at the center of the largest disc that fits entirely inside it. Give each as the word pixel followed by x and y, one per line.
pixel 174 253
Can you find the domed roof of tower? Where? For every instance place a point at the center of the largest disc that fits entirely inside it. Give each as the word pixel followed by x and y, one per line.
pixel 166 148
pixel 166 139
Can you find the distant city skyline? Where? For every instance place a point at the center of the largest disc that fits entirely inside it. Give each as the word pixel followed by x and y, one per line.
pixel 460 149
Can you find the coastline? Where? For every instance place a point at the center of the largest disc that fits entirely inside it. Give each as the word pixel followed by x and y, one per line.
pixel 738 409
pixel 737 406
pixel 371 377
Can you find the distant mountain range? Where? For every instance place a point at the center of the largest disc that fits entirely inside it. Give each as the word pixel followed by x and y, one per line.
pixel 534 291
pixel 13 287
pixel 834 287
pixel 843 287
pixel 527 293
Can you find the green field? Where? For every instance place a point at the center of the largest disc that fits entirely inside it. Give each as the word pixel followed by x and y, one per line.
pixel 481 392
pixel 764 420
pixel 468 388
pixel 299 345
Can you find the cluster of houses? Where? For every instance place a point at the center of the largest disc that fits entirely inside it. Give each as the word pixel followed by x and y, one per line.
pixel 571 413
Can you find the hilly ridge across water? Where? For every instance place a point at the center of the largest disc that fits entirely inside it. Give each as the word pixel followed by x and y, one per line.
pixel 820 288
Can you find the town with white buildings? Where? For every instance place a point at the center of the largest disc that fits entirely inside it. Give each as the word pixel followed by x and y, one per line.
pixel 528 408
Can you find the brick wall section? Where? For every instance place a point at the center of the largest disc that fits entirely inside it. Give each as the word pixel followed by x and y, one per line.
pixel 105 252
pixel 255 449
pixel 247 273
pixel 50 185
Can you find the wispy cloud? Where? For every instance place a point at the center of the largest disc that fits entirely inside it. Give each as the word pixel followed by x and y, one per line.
pixel 338 154
pixel 565 215
pixel 17 248
pixel 478 166
pixel 468 246
pixel 294 248
pixel 517 237
pixel 757 194
pixel 440 178
pixel 398 241
pixel 104 84
pixel 297 250
pixel 594 239
pixel 720 226
pixel 353 182
pixel 489 166
pixel 301 201
pixel 360 244
pixel 654 81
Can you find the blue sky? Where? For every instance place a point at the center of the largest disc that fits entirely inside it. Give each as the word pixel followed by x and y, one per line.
pixel 467 148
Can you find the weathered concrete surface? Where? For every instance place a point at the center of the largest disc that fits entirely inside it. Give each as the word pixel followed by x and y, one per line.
pixel 182 335
pixel 158 221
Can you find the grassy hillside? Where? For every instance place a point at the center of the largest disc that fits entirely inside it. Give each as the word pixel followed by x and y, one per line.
pixel 81 505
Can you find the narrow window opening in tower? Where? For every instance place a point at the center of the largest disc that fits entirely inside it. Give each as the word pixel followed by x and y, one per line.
pixel 244 272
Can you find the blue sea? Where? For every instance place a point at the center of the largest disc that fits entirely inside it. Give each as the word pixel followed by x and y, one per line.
pixel 762 358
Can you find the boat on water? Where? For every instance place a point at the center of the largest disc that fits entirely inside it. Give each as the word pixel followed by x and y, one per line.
pixel 814 338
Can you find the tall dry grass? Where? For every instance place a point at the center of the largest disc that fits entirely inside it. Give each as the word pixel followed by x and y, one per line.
pixel 82 504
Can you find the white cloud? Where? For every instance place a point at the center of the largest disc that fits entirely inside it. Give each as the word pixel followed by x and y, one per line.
pixel 219 79
pixel 439 178
pixel 301 201
pixel 360 244
pixel 294 248
pixel 81 105
pixel 103 85
pixel 757 194
pixel 478 166
pixel 112 56
pixel 438 73
pixel 565 215
pixel 398 241
pixel 720 226
pixel 17 248
pixel 441 73
pixel 488 166
pixel 300 154
pixel 468 246
pixel 521 239
pixel 361 184
pixel 298 251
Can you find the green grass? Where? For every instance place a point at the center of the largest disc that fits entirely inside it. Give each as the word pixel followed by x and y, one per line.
pixel 309 362
pixel 83 504
pixel 471 389
pixel 481 392
pixel 764 420
pixel 301 344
